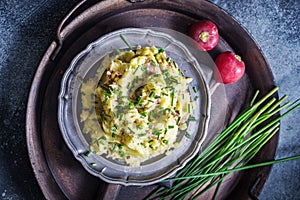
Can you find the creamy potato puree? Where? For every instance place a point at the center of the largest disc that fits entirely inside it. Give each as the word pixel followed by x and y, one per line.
pixel 142 101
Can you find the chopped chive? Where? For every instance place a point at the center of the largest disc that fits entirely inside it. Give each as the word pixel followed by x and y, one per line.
pixel 129 85
pixel 187 135
pixel 153 63
pixel 168 59
pixel 121 153
pixel 195 89
pixel 165 141
pixel 149 124
pixel 107 94
pixel 196 98
pixel 144 114
pixel 93 164
pixel 88 154
pixel 113 149
pixel 101 142
pixel 139 127
pixel 102 118
pixel 142 134
pixel 165 94
pixel 105 88
pixel 151 94
pixel 165 72
pixel 115 90
pixel 161 50
pixel 113 135
pixel 136 70
pixel 139 100
pixel 171 126
pixel 131 105
pixel 150 141
pixel 132 131
pixel 175 64
pixel 150 116
pixel 120 94
pixel 172 98
pixel 150 101
pixel 166 130
pixel 108 115
pixel 166 111
pixel 189 108
pixel 178 120
pixel 120 146
pixel 192 119
pixel 157 97
pixel 121 116
pixel 173 80
pixel 158 133
pixel 116 51
pixel 143 68
pixel 114 128
pixel 100 139
pixel 126 41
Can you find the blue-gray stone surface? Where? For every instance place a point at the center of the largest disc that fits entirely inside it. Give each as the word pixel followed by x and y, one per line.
pixel 28 27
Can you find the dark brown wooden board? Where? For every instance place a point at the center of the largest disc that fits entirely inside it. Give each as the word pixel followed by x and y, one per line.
pixel 59 174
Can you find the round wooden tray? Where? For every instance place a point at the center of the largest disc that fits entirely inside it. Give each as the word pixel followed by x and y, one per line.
pixel 59 174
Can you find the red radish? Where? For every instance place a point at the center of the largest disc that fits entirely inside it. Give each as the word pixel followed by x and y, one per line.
pixel 229 68
pixel 205 33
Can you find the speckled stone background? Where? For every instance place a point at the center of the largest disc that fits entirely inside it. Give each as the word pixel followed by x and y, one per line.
pixel 28 27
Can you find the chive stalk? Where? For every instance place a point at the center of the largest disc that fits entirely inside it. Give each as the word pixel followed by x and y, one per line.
pixel 232 150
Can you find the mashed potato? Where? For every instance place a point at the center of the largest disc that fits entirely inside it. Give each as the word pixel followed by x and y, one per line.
pixel 141 102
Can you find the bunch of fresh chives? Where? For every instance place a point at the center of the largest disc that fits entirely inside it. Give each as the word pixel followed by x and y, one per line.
pixel 231 150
